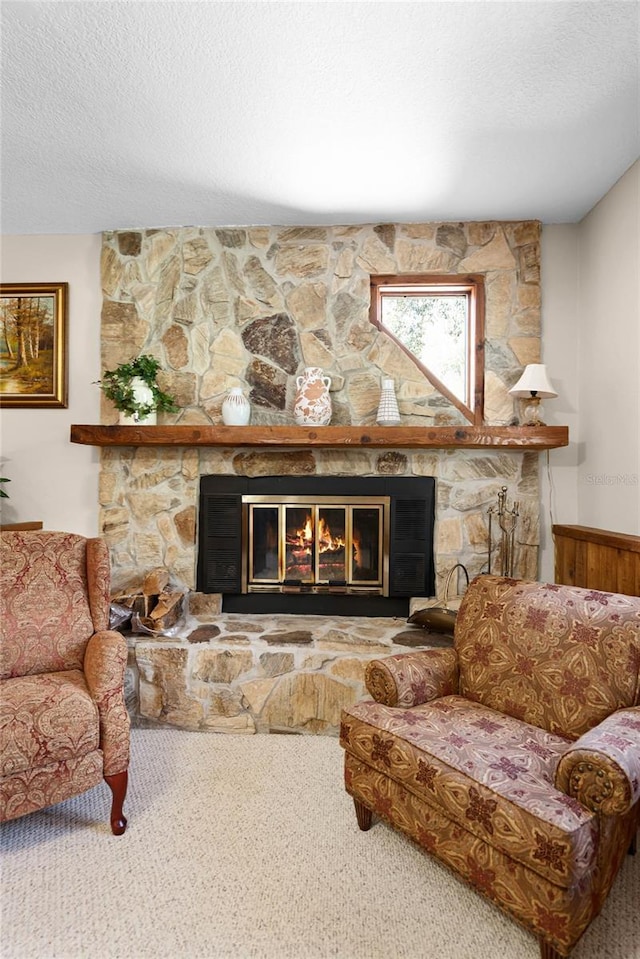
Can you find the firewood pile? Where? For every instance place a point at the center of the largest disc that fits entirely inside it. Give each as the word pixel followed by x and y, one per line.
pixel 154 608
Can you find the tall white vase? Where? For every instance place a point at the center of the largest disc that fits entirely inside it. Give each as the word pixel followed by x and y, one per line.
pixel 142 394
pixel 312 406
pixel 388 412
pixel 236 408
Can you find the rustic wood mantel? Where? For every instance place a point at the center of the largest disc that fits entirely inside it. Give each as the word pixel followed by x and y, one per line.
pixel 397 437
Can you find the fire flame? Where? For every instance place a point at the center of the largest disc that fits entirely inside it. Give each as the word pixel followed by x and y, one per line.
pixel 326 541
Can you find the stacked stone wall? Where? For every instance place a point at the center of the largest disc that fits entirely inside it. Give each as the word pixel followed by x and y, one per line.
pixel 252 307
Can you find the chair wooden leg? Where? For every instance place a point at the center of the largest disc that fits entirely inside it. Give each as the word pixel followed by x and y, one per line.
pixel 363 814
pixel 547 951
pixel 118 786
pixel 633 845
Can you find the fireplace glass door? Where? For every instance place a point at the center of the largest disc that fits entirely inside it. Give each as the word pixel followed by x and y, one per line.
pixel 264 556
pixel 324 543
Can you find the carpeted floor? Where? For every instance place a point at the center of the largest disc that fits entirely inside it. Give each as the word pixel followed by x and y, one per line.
pixel 248 848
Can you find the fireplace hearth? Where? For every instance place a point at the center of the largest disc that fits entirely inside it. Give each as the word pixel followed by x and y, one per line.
pixel 341 545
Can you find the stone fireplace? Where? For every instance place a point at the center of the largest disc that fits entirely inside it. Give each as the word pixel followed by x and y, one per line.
pixel 251 307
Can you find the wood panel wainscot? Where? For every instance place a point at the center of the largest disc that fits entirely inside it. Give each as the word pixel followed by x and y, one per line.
pixel 21 527
pixel 597 559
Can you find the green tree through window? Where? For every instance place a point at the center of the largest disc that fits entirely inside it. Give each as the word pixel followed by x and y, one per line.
pixel 434 328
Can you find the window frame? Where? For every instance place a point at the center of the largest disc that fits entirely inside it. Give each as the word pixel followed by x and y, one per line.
pixel 469 284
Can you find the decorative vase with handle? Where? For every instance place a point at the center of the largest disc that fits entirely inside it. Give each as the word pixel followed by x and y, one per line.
pixel 236 409
pixel 142 394
pixel 312 406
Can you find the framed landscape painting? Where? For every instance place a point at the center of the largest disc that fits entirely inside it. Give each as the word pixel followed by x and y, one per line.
pixel 33 344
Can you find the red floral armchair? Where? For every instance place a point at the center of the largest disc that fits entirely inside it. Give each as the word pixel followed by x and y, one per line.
pixel 515 756
pixel 63 720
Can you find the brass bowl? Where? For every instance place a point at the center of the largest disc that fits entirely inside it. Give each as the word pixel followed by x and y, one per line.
pixel 440 619
pixel 437 618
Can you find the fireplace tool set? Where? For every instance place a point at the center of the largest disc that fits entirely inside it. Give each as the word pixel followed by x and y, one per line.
pixel 507 521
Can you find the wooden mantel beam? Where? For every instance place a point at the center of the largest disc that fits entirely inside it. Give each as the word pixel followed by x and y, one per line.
pixel 395 437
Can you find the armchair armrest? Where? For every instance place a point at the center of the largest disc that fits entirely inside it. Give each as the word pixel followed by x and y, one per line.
pixel 409 679
pixel 105 662
pixel 602 768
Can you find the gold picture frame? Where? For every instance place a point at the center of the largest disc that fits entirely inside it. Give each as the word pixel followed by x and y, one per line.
pixel 33 345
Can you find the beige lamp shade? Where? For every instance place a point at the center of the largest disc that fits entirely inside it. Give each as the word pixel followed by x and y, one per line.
pixel 534 382
pixel 532 387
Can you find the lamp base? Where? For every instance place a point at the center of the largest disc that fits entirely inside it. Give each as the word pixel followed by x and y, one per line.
pixel 531 413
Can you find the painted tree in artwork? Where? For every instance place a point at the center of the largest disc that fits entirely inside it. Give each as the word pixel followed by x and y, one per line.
pixel 27 328
pixel 26 344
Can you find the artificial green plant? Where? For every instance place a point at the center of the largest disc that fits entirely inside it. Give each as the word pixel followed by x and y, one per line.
pixel 117 386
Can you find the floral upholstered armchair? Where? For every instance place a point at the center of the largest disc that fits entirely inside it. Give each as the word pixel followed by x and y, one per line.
pixel 63 720
pixel 515 756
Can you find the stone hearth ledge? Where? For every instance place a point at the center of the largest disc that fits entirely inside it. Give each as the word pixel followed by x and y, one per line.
pixel 234 673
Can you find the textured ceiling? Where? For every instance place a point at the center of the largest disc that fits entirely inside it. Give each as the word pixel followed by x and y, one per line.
pixel 133 114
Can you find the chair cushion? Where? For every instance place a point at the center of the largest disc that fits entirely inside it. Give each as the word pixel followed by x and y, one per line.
pixel 49 582
pixel 490 773
pixel 559 657
pixel 45 719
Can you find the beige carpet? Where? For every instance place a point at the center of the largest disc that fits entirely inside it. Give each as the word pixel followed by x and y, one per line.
pixel 248 848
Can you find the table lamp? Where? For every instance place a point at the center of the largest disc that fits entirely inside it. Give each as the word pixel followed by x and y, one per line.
pixel 533 386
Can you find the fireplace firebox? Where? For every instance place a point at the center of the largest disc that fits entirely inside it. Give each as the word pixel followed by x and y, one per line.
pixel 341 545
pixel 316 542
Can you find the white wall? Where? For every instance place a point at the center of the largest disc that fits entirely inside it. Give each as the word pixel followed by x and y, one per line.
pixel 591 346
pixel 52 479
pixel 608 489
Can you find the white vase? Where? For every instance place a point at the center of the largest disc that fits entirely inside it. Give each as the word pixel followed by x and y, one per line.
pixel 143 394
pixel 388 412
pixel 236 409
pixel 312 405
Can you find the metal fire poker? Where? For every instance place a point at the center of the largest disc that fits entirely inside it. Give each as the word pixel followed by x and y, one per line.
pixel 507 521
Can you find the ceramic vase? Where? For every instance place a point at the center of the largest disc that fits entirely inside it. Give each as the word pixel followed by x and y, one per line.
pixel 388 412
pixel 236 409
pixel 143 394
pixel 312 405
